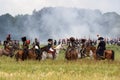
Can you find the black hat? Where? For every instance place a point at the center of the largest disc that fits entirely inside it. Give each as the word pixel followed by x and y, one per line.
pixel 50 39
pixel 72 39
pixel 100 38
pixel 83 40
pixel 23 39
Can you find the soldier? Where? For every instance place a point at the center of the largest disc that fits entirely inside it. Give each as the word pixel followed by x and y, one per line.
pixel 37 46
pixel 0 43
pixel 8 41
pixel 101 47
pixel 51 47
pixel 72 42
pixel 50 44
pixel 83 48
pixel 25 47
pixel 8 38
pixel 59 42
pixel 55 42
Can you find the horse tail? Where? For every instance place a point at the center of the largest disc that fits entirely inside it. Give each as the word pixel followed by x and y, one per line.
pixel 113 53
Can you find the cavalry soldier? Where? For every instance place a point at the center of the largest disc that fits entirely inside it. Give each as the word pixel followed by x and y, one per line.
pixel 25 47
pixel 8 38
pixel 55 42
pixel 51 47
pixel 68 41
pixel 7 41
pixel 36 45
pixel 72 42
pixel 83 47
pixel 101 47
pixel 59 42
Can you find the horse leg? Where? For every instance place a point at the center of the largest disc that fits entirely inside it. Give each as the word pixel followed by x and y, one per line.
pixel 17 56
pixel 39 56
pixel 24 56
pixel 11 54
pixel 112 57
pixel 53 54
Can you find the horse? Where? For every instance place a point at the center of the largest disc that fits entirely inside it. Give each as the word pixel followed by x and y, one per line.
pixel 7 51
pixel 47 54
pixel 108 54
pixel 19 55
pixel 32 54
pixel 71 53
pixel 60 47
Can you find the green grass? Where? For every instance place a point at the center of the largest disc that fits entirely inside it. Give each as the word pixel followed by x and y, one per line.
pixel 61 69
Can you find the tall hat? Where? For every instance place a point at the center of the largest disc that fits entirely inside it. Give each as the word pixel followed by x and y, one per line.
pixel 23 39
pixel 50 40
pixel 72 39
pixel 100 38
pixel 83 40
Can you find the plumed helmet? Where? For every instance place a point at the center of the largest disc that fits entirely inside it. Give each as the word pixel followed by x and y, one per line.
pixel 28 41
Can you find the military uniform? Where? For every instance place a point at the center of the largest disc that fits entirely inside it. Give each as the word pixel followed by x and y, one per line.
pixel 25 47
pixel 101 47
pixel 36 46
pixel 50 48
pixel 72 42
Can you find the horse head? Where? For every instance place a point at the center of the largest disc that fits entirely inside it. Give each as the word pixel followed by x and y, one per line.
pixel 60 47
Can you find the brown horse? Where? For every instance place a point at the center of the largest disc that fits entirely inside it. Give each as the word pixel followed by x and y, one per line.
pixel 108 54
pixel 71 53
pixel 8 51
pixel 21 55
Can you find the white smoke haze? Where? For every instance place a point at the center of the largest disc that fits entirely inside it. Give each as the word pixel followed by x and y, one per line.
pixel 60 22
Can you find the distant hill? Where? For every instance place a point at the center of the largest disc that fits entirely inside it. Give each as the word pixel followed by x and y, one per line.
pixel 59 22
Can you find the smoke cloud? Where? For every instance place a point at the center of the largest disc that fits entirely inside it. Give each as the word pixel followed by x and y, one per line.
pixel 60 22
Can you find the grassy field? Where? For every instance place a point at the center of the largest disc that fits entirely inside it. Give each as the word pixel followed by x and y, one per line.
pixel 61 69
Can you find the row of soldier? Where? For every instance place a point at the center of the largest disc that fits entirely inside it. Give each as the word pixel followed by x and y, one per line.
pixel 72 42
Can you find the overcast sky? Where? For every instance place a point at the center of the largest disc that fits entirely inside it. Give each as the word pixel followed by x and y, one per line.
pixel 15 7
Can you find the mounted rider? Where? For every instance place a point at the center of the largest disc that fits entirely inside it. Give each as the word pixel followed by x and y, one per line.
pixel 83 47
pixel 36 45
pixel 72 43
pixel 51 47
pixel 8 41
pixel 101 47
pixel 25 46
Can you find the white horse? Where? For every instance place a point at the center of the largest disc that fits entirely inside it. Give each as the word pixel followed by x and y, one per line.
pixel 46 55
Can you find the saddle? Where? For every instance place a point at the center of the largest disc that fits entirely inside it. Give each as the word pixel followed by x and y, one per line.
pixel 52 52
